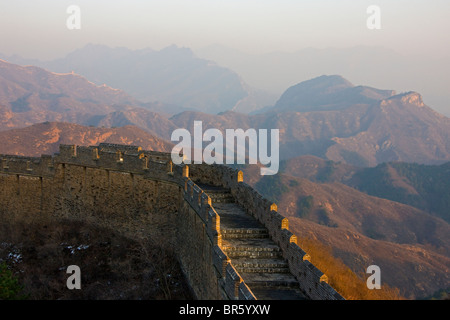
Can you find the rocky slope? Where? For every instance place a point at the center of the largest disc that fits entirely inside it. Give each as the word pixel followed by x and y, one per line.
pixel 411 247
pixel 30 95
pixel 45 138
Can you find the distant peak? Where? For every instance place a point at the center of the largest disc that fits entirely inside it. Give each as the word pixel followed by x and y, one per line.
pixel 324 84
pixel 328 92
pixel 410 97
pixel 331 80
pixel 174 47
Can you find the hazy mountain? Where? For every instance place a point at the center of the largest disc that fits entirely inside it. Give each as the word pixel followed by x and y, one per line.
pixel 376 66
pixel 30 94
pixel 327 93
pixel 354 124
pixel 45 138
pixel 172 75
pixel 400 128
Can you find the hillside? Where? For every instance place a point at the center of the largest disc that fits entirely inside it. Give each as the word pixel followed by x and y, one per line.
pixel 424 187
pixel 37 254
pixel 45 138
pixel 318 170
pixel 401 128
pixel 411 246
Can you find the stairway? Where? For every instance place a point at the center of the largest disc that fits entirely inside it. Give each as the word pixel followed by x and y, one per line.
pixel 254 255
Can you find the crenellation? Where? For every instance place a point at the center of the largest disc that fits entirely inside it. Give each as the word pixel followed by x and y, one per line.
pixel 48 161
pixel 196 196
pixel 189 190
pixel 5 164
pixel 95 155
pixel 157 155
pixel 232 282
pixel 285 239
pixel 21 165
pixel 178 171
pixel 220 261
pixel 205 205
pixel 169 166
pixel 67 151
pixel 126 149
pixel 185 172
pixel 213 227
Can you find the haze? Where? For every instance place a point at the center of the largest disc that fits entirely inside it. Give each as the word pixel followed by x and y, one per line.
pixel 38 29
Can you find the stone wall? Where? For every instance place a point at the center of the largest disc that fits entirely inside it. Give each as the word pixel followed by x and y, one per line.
pixel 144 195
pixel 312 281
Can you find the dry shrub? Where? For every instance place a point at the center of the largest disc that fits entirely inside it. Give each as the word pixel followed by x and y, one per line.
pixel 113 266
pixel 342 278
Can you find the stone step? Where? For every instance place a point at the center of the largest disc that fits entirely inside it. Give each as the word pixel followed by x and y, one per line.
pixel 246 265
pixel 248 233
pixel 233 254
pixel 221 197
pixel 255 256
pixel 251 248
pixel 258 280
pixel 217 194
pixel 232 216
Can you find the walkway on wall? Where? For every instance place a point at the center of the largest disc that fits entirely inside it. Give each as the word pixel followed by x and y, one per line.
pixel 255 256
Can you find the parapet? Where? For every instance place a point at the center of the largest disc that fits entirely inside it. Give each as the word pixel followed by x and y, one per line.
pixel 37 166
pixel 158 165
pixel 112 147
pixel 116 157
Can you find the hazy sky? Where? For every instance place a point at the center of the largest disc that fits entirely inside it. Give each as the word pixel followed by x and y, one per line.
pixel 37 29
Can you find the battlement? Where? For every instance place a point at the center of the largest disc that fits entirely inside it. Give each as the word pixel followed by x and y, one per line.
pixel 42 166
pixel 157 166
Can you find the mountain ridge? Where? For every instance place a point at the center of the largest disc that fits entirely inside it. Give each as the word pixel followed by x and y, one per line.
pixel 398 127
pixel 173 75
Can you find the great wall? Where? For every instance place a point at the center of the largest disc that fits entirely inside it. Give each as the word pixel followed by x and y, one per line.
pixel 230 241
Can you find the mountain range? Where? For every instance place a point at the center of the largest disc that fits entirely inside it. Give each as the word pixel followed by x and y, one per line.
pixel 172 75
pixel 327 116
pixel 364 170
pixel 353 124
pixel 377 66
